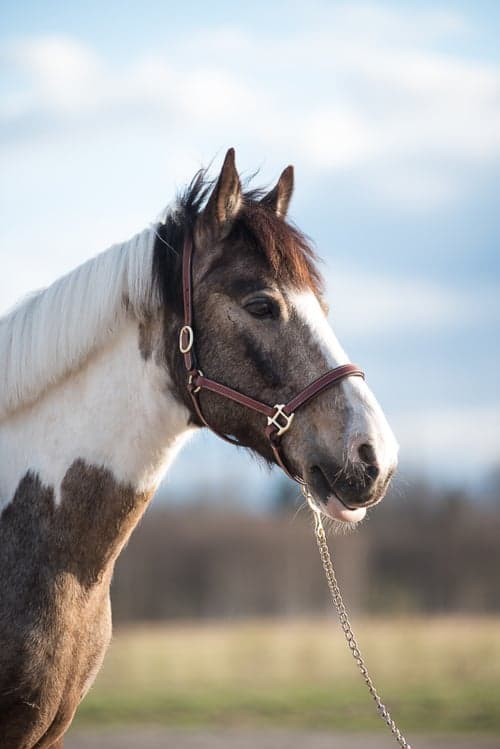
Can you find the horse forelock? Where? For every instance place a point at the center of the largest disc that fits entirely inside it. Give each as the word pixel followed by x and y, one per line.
pixel 286 250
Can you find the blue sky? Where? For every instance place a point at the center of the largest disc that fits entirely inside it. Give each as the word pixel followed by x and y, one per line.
pixel 390 112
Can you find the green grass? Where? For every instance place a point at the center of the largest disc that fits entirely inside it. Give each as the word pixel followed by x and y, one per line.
pixel 434 674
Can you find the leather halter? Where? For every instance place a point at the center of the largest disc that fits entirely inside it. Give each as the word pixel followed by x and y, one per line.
pixel 279 417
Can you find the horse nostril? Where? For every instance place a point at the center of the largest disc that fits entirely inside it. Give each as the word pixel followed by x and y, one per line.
pixel 368 457
pixel 367 453
pixel 373 472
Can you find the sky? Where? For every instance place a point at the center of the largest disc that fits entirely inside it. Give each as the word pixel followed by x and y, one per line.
pixel 390 113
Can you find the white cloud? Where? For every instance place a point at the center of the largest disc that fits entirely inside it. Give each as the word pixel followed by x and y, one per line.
pixel 63 73
pixel 67 78
pixel 451 440
pixel 363 89
pixel 337 138
pixel 369 303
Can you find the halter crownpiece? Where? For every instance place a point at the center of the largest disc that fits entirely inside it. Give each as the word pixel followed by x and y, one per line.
pixel 279 418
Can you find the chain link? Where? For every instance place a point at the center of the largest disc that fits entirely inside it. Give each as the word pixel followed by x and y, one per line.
pixel 345 623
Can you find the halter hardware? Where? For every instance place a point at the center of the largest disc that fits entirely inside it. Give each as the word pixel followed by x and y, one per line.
pixel 184 348
pixel 279 417
pixel 192 387
pixel 275 419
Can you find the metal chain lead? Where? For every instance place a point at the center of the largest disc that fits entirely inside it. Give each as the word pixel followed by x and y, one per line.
pixel 345 623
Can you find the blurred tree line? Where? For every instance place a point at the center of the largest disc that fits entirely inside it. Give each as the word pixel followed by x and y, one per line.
pixel 421 550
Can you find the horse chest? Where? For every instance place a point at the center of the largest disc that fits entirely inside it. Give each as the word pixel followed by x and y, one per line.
pixel 55 622
pixel 48 664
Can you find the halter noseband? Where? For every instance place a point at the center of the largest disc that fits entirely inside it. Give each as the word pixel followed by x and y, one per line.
pixel 280 416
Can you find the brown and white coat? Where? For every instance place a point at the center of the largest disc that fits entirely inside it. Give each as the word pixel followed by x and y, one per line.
pixel 93 409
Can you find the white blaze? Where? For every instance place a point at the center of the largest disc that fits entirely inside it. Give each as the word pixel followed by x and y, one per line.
pixel 367 422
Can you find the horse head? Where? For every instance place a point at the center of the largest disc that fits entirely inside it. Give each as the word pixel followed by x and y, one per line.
pixel 260 327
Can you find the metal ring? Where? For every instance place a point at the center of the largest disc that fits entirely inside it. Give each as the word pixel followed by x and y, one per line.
pixel 189 330
pixel 190 380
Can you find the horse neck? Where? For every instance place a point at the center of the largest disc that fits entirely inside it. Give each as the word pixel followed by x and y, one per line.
pixel 114 423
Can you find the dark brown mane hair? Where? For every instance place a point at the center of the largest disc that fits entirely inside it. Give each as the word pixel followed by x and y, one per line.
pixel 287 250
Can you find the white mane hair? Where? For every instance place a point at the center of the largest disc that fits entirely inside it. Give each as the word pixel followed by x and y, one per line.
pixel 55 330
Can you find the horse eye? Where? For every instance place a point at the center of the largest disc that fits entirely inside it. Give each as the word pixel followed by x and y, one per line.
pixel 262 308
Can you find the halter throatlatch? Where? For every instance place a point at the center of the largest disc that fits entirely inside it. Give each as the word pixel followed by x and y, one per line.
pixel 279 418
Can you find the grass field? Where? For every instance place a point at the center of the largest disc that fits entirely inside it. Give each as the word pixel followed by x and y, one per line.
pixel 435 674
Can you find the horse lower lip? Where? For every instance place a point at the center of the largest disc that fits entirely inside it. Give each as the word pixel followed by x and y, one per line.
pixel 336 509
pixel 348 507
pixel 336 496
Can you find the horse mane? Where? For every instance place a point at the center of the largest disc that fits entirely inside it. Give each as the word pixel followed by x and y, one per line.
pixel 56 329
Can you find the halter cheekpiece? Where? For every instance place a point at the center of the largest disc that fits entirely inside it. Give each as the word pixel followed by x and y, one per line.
pixel 279 418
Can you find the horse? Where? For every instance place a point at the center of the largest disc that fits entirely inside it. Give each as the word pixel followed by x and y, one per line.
pixel 96 402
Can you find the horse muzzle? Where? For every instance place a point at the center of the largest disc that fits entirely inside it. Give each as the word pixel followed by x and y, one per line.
pixel 345 492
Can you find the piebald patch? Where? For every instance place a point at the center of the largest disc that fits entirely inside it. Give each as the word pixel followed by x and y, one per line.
pixel 117 412
pixel 69 551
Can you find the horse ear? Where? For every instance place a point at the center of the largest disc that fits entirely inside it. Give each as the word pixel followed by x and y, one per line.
pixel 225 200
pixel 279 197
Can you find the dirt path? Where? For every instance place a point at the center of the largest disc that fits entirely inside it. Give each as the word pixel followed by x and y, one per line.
pixel 160 738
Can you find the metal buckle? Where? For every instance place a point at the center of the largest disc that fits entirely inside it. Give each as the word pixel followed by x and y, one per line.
pixel 189 330
pixel 274 419
pixel 190 380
